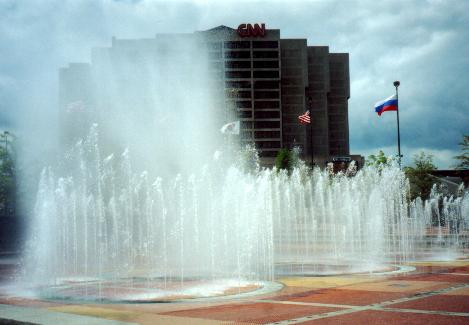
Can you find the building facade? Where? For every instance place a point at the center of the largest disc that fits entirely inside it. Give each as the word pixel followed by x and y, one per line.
pixel 263 80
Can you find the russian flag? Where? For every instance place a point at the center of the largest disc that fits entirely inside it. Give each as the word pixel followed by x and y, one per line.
pixel 389 104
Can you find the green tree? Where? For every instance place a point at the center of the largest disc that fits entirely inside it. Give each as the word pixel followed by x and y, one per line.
pixel 379 161
pixel 7 176
pixel 464 156
pixel 420 178
pixel 284 160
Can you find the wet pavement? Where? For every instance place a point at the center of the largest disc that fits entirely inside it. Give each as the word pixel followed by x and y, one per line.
pixel 433 293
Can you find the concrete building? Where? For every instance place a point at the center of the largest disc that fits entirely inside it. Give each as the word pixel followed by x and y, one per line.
pixel 263 80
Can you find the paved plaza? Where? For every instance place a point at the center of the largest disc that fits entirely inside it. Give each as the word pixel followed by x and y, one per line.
pixel 433 293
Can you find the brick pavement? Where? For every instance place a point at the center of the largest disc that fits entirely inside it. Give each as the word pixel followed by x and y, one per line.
pixel 435 293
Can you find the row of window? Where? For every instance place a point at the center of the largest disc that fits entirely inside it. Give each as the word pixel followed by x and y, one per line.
pixel 264 94
pixel 255 74
pixel 247 64
pixel 259 115
pixel 267 124
pixel 242 104
pixel 243 45
pixel 260 84
pixel 244 114
pixel 258 104
pixel 267 114
pixel 244 55
pixel 260 124
pixel 264 104
pixel 258 94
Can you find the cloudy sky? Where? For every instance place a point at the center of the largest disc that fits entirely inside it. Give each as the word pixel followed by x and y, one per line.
pixel 424 44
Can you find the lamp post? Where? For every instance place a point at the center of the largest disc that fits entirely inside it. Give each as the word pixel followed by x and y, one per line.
pixel 397 84
pixel 5 135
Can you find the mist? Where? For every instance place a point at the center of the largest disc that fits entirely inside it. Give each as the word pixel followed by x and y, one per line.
pixel 153 97
pixel 154 107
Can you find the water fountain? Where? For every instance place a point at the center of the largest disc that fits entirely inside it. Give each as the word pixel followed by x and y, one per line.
pixel 106 233
pixel 191 227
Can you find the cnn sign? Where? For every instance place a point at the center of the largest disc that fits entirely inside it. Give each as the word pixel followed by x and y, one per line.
pixel 248 30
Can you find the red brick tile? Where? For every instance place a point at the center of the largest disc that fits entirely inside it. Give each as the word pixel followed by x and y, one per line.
pixel 386 317
pixel 343 297
pixel 436 277
pixel 452 303
pixel 432 269
pixel 461 269
pixel 254 312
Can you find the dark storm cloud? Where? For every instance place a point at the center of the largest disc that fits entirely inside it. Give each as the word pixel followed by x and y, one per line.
pixel 428 61
pixel 424 44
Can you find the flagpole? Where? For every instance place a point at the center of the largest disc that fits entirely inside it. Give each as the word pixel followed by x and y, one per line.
pixel 310 104
pixel 396 84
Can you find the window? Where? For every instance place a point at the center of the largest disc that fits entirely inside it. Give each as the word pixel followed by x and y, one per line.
pixel 237 74
pixel 265 74
pixel 265 54
pixel 237 45
pixel 238 84
pixel 267 114
pixel 266 104
pixel 238 54
pixel 266 85
pixel 267 124
pixel 244 114
pixel 265 64
pixel 265 44
pixel 237 64
pixel 266 94
pixel 243 104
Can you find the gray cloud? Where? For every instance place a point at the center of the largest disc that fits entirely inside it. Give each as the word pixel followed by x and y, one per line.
pixel 424 44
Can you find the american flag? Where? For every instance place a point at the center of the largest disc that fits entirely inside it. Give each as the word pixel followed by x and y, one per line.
pixel 305 118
